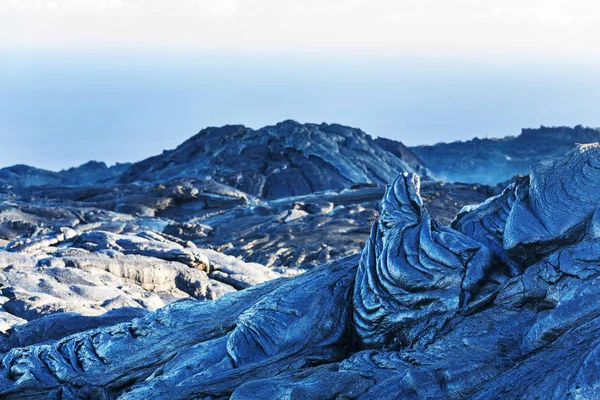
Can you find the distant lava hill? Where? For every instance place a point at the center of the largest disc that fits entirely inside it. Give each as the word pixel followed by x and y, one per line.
pixel 92 172
pixel 294 159
pixel 490 161
pixel 287 159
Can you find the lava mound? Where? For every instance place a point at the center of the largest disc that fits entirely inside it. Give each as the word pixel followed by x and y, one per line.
pixel 504 303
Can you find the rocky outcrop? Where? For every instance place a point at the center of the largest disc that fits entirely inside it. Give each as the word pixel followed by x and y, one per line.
pixel 491 161
pixel 24 175
pixel 287 159
pixel 56 326
pixel 94 172
pixel 178 199
pixel 503 304
pixel 307 231
pixel 404 153
pixel 414 274
pixel 92 272
pixel 290 195
pixel 298 232
pixel 86 174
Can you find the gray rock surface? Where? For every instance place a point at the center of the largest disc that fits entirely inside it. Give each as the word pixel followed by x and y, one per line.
pixel 503 304
pixel 496 160
pixel 404 153
pixel 287 159
pixel 320 188
pixel 173 199
pixel 93 272
pixel 414 274
pixel 85 241
pixel 310 230
pixel 88 173
pixel 298 232
pixel 56 326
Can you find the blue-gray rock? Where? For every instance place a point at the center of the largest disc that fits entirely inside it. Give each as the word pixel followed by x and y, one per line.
pixel 85 174
pixel 487 308
pixel 496 160
pixel 284 160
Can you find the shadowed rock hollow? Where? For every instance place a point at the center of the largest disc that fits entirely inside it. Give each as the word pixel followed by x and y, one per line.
pixel 502 304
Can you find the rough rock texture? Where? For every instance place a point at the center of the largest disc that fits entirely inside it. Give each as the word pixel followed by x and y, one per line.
pixel 284 160
pixel 404 153
pixel 92 272
pixel 173 199
pixel 88 173
pixel 94 172
pixel 491 161
pixel 72 256
pixel 503 304
pixel 414 274
pixel 300 232
pixel 94 248
pixel 59 325
pixel 307 231
pixel 320 187
pixel 287 159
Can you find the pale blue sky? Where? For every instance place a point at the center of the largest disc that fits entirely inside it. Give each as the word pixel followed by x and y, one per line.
pixel 117 81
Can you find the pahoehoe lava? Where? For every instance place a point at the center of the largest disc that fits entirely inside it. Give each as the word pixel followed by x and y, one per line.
pixel 503 303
